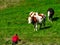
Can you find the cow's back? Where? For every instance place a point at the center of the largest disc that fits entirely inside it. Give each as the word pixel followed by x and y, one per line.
pixel 51 10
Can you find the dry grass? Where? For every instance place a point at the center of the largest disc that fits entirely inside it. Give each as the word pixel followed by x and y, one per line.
pixel 9 3
pixel 3 6
pixel 43 41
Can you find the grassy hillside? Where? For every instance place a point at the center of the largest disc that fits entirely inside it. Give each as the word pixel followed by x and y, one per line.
pixel 13 19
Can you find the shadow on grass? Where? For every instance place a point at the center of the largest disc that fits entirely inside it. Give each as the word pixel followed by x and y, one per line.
pixel 55 18
pixel 46 27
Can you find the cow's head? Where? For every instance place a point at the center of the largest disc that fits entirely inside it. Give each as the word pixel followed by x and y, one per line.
pixel 29 20
pixel 32 15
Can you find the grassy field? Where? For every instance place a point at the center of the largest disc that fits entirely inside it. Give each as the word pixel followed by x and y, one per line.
pixel 13 19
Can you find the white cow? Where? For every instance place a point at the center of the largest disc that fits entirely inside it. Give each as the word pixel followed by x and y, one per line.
pixel 36 18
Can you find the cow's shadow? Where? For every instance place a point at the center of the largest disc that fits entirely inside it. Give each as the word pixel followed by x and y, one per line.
pixel 55 18
pixel 46 27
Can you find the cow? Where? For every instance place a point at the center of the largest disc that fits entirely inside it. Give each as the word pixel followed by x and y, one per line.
pixel 35 19
pixel 50 13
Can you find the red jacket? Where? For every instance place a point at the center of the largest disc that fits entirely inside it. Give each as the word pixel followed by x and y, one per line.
pixel 15 38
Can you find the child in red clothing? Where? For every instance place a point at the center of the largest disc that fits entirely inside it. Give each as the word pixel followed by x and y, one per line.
pixel 15 39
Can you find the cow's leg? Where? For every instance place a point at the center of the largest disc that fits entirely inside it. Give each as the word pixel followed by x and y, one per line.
pixel 35 27
pixel 40 25
pixel 44 21
pixel 50 18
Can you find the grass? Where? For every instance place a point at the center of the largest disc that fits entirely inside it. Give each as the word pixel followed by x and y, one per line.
pixel 13 20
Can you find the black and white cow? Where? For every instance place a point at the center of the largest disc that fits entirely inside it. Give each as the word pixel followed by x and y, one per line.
pixel 50 12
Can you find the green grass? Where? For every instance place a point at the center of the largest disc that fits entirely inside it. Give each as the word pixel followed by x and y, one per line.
pixel 14 20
